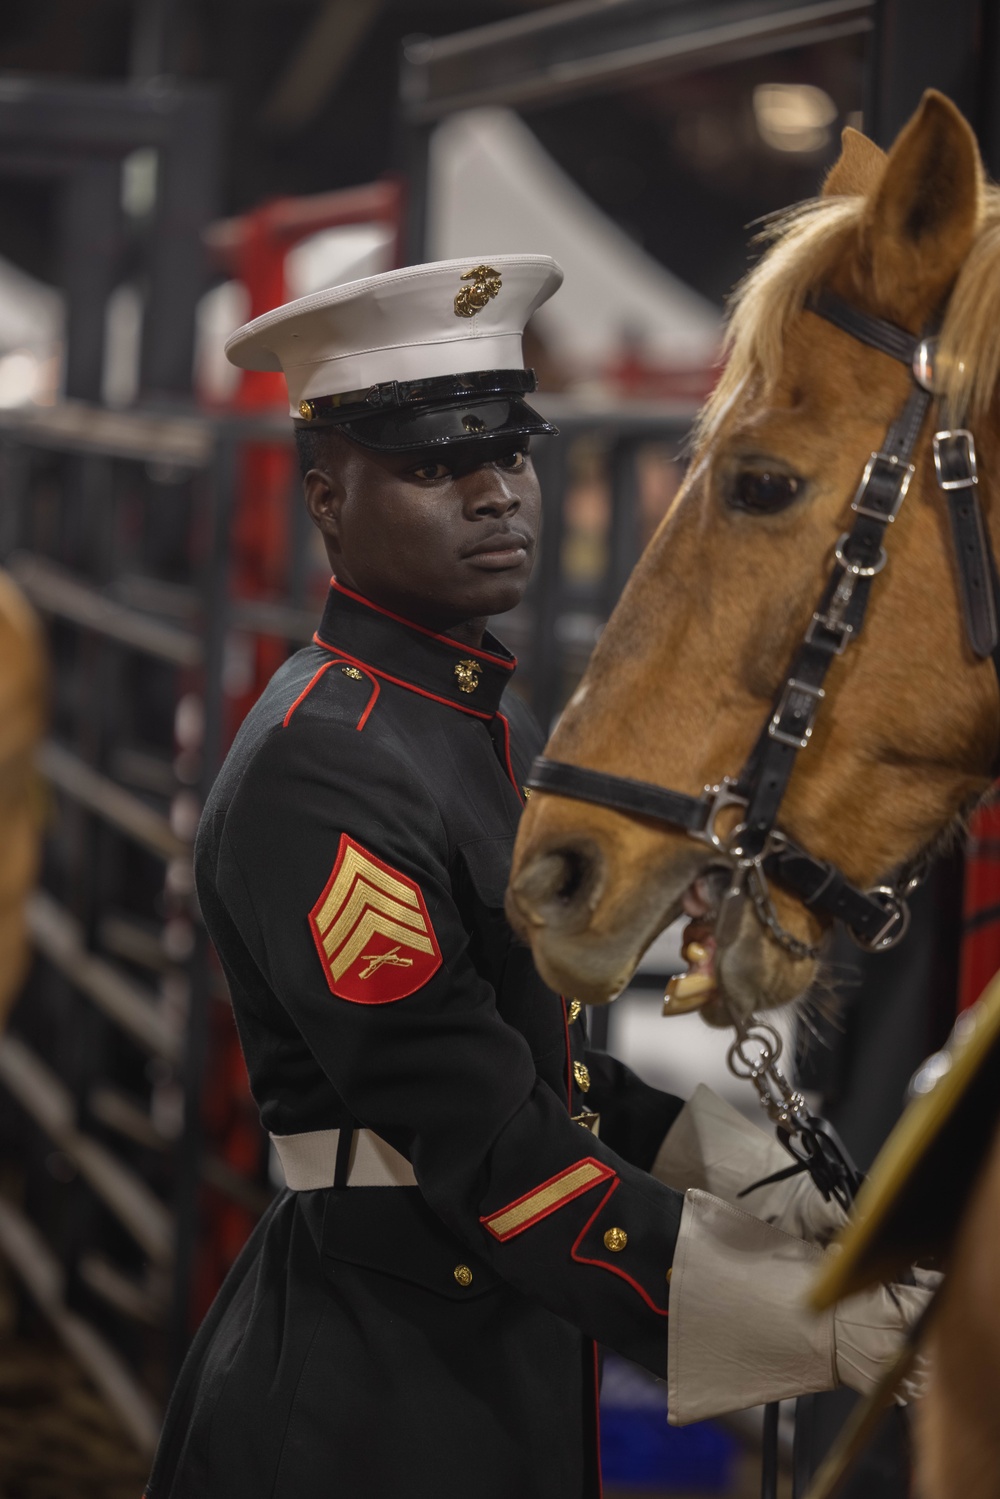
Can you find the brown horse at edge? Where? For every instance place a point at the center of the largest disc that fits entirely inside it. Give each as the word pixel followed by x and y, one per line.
pixel 907 738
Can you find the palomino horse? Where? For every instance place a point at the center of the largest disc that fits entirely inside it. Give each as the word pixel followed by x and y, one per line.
pixel 903 739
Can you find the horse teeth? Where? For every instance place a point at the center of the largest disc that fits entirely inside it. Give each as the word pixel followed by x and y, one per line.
pixel 687 991
pixel 694 953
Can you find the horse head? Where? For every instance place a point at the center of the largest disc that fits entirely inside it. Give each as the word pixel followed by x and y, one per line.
pixel 692 663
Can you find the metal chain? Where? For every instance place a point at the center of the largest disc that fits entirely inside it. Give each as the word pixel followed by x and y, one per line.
pixel 768 917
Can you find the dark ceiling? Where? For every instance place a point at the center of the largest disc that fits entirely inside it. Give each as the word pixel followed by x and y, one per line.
pixel 310 90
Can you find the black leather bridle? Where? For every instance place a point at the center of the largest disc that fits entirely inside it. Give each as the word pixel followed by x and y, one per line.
pixel 757 851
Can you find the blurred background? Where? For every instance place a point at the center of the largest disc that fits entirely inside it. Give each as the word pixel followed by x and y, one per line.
pixel 168 169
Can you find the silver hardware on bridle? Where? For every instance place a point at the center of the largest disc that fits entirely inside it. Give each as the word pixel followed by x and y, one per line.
pixel 811 1141
pixel 782 1103
pixel 756 851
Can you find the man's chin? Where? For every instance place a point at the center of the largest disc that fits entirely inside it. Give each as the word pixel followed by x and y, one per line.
pixel 498 592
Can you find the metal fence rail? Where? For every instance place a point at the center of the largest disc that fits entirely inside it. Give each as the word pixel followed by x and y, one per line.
pixel 107 1053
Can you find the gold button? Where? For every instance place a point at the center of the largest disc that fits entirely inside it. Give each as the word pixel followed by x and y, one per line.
pixel 615 1239
pixel 527 793
pixel 463 1275
pixel 574 1010
pixel 307 410
pixel 582 1076
pixel 353 673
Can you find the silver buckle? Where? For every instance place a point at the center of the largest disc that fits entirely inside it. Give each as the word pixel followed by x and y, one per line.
pixel 964 450
pixel 774 729
pixel 897 921
pixel 853 567
pixel 888 516
pixel 723 795
pixel 835 627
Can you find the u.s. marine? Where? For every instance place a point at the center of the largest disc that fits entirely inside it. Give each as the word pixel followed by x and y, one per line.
pixel 475 1198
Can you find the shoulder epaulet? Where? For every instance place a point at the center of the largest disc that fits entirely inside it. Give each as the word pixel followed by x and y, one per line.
pixel 339 689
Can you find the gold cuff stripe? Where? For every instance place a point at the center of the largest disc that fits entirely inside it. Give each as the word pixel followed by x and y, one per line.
pixel 356 864
pixel 546 1199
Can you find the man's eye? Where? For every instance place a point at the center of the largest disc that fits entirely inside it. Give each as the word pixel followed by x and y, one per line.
pixel 513 462
pixel 430 471
pixel 763 492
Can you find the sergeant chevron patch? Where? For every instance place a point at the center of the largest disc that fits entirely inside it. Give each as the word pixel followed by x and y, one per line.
pixel 372 931
pixel 544 1199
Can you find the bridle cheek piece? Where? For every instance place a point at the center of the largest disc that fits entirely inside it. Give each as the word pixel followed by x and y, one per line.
pixel 756 851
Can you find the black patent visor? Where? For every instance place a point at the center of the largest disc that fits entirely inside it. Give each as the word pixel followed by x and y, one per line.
pixel 435 426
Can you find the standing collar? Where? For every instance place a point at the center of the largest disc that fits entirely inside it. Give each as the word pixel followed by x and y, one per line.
pixel 398 651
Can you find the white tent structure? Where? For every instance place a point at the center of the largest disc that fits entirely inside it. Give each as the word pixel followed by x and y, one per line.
pixel 494 188
pixel 31 322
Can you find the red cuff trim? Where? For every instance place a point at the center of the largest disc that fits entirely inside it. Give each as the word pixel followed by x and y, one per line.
pixel 546 1198
pixel 661 1311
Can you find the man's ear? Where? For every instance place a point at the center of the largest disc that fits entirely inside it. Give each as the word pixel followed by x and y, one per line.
pixel 324 494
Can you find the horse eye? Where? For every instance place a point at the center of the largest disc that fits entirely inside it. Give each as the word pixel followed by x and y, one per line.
pixel 763 493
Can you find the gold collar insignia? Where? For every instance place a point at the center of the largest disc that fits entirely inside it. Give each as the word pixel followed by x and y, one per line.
pixel 467 674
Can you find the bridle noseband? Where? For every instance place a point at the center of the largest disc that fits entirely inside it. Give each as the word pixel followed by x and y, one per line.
pixel 757 851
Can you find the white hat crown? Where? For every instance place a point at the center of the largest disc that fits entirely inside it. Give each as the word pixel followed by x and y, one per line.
pixel 448 317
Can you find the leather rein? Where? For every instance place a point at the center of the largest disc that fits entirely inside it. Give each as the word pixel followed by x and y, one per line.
pixel 757 851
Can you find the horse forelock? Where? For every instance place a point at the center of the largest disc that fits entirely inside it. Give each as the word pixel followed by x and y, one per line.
pixel 805 244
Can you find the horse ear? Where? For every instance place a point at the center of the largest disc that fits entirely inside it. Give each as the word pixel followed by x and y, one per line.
pixel 856 169
pixel 922 216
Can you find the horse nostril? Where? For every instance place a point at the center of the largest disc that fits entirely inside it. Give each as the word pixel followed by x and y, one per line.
pixel 558 886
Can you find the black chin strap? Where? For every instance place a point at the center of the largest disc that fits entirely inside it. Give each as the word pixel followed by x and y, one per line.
pixel 756 850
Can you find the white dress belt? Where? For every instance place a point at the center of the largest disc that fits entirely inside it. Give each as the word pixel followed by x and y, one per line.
pixel 309 1161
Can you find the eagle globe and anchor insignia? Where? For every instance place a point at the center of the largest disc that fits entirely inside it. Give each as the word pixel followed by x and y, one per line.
pixel 486 284
pixel 467 674
pixel 372 931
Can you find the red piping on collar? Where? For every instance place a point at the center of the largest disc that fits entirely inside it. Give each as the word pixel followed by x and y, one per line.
pixel 456 645
pixel 398 681
pixel 581 1259
pixel 312 683
pixel 569 1055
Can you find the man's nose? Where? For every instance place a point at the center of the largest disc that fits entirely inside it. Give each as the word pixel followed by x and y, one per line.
pixel 489 491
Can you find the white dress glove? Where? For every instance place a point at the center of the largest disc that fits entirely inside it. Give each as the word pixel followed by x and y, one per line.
pixel 740 1333
pixel 868 1332
pixel 710 1145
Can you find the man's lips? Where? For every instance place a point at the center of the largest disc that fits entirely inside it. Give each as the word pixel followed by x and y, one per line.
pixel 502 549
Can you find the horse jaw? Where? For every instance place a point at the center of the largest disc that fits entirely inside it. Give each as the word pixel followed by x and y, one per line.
pixel 587 941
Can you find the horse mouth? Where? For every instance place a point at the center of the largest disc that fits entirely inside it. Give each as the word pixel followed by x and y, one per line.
pixel 700 984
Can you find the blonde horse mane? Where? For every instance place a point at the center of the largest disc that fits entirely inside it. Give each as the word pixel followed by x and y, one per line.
pixel 806 242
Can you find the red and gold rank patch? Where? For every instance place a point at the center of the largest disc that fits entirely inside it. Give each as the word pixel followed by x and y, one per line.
pixel 372 931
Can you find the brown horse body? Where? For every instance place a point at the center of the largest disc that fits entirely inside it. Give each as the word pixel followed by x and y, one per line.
pixel 686 673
